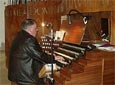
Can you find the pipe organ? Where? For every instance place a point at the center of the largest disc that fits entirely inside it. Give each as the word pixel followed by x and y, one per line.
pixel 83 63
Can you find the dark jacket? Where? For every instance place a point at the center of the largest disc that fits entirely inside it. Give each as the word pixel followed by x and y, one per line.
pixel 26 59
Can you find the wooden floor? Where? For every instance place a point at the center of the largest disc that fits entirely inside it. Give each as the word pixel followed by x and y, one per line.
pixel 3 70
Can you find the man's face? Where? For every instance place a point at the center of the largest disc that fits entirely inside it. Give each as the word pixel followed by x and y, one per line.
pixel 33 29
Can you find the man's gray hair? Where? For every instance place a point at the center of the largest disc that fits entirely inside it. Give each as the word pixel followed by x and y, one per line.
pixel 26 23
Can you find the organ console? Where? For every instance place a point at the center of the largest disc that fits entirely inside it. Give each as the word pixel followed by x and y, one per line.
pixel 83 64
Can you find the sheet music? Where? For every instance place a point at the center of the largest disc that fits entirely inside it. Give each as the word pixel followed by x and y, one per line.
pixel 59 35
pixel 105 46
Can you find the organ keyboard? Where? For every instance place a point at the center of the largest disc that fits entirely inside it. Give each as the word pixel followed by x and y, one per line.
pixel 70 52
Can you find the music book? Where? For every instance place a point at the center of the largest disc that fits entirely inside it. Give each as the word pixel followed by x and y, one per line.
pixel 59 35
pixel 46 69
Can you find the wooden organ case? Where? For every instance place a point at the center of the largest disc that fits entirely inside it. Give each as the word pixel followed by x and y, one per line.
pixel 85 65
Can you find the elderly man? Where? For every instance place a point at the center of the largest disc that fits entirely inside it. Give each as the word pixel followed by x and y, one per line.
pixel 26 56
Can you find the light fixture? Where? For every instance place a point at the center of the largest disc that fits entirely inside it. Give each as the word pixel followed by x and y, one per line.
pixel 85 18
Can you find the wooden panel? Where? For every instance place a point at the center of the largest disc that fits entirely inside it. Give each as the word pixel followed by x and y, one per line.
pixel 73 32
pixel 109 60
pixel 92 78
pixel 89 5
pixel 92 74
pixel 45 12
pixel 13 18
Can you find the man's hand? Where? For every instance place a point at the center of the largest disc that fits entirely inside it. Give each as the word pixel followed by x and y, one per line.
pixel 59 58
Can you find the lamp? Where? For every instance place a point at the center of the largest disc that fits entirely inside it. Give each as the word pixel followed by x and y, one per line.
pixel 85 18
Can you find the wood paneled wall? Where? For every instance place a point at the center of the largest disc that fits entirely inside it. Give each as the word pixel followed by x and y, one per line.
pixel 12 25
pixel 89 5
